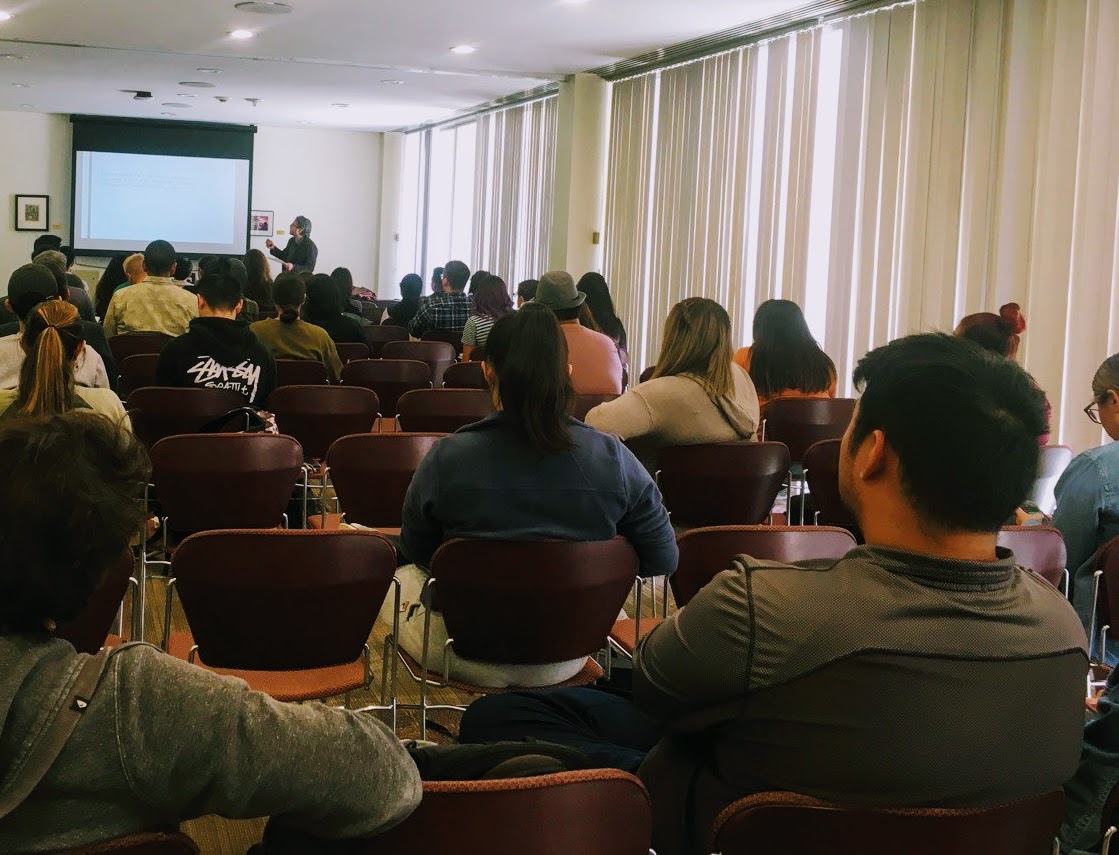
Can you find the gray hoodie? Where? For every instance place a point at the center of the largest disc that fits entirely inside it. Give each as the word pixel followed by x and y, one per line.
pixel 163 741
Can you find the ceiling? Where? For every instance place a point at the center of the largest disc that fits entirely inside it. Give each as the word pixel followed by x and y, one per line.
pixel 389 62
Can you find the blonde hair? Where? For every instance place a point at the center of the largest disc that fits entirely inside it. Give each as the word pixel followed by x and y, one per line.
pixel 52 337
pixel 697 343
pixel 134 264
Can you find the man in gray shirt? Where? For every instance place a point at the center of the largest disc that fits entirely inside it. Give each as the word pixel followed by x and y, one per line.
pixel 906 673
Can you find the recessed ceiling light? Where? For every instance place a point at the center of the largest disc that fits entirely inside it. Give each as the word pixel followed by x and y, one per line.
pixel 208 70
pixel 185 95
pixel 180 106
pixel 339 105
pixel 302 122
pixel 21 85
pixel 11 56
pixel 241 35
pixel 393 82
pixel 196 84
pixel 167 114
pixel 464 49
pixel 5 16
pixel 28 106
pixel 263 7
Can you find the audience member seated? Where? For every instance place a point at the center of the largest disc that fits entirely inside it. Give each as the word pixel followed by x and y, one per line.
pixel 446 311
pixel 598 310
pixel 184 269
pixel 1098 776
pixel 258 285
pixel 437 281
pixel 55 261
pixel 401 314
pixel 596 367
pixel 235 267
pixel 134 271
pixel 906 673
pixel 219 351
pixel 529 472
pixel 1000 334
pixel 526 291
pixel 491 303
pixel 475 278
pixel 291 337
pixel 53 341
pixel 161 740
pixel 156 304
pixel 111 278
pixel 27 287
pixel 72 279
pixel 350 306
pixel 696 395
pixel 785 361
pixel 1087 512
pixel 323 309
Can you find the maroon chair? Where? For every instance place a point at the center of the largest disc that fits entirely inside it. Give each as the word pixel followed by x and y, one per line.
pixel 451 337
pixel 465 375
pixel 300 372
pixel 733 483
pixel 161 411
pixel 348 351
pixel 437 354
pixel 143 843
pixel 89 630
pixel 372 312
pixel 125 345
pixel 289 612
pixel 599 811
pixel 1105 598
pixel 137 371
pixel 442 410
pixel 389 378
pixel 821 468
pixel 585 403
pixel 378 336
pixel 793 824
pixel 1041 550
pixel 318 415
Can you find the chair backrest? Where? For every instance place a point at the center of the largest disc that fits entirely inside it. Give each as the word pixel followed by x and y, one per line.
pixel 585 403
pixel 87 631
pixel 465 375
pixel 282 600
pixel 389 378
pixel 526 602
pixel 377 336
pixel 137 371
pixel 438 354
pixel 162 411
pixel 1107 608
pixel 371 473
pixel 371 311
pixel 800 825
pixel 144 843
pixel 802 422
pixel 318 415
pixel 225 480
pixel 1038 548
pixel 733 483
pixel 821 467
pixel 1053 461
pixel 348 351
pixel 451 337
pixel 129 344
pixel 706 552
pixel 300 372
pixel 442 410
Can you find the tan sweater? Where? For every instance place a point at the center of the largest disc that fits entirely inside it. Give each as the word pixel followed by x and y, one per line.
pixel 677 411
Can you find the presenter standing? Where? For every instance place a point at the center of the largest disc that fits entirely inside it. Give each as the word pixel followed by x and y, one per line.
pixel 301 253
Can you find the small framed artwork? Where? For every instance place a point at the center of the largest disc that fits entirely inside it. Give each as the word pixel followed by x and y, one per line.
pixel 32 213
pixel 261 223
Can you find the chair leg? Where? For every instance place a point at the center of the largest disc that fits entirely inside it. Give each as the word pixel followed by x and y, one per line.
pixel 424 664
pixel 1095 604
pixel 167 613
pixel 1107 838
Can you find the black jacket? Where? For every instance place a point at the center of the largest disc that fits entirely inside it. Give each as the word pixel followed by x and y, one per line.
pixel 302 254
pixel 94 336
pixel 401 314
pixel 217 353
pixel 342 329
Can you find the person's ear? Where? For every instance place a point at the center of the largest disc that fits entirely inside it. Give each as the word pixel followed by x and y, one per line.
pixel 7 304
pixel 240 305
pixel 201 302
pixel 570 370
pixel 878 451
pixel 172 273
pixel 489 374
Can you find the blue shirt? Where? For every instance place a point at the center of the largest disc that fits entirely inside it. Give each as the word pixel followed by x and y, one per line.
pixel 487 481
pixel 1097 776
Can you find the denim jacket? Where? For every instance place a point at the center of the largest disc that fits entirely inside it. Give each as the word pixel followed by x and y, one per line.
pixel 1098 775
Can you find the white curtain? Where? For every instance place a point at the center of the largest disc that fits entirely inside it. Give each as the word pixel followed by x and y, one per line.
pixel 891 173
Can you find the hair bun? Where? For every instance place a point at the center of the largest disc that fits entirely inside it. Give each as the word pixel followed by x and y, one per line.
pixel 1012 318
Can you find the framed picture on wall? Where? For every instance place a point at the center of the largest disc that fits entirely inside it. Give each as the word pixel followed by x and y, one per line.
pixel 260 223
pixel 32 213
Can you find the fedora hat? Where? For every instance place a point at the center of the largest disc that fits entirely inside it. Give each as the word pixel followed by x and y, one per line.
pixel 557 291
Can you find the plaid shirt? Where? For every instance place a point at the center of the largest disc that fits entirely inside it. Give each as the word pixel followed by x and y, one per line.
pixel 441 312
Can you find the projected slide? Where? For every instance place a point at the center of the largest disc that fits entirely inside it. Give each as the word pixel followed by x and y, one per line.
pixel 124 201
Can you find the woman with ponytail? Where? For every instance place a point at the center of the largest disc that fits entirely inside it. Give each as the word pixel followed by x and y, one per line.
pixel 291 337
pixel 528 472
pixel 53 339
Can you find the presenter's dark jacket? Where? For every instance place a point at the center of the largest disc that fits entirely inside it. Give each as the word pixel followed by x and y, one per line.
pixel 219 353
pixel 302 254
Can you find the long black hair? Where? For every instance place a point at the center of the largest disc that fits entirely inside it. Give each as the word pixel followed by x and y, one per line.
pixel 785 355
pixel 599 314
pixel 289 293
pixel 528 353
pixel 110 280
pixel 344 281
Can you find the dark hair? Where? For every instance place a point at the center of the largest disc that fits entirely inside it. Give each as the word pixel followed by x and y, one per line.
pixel 411 287
pixel 344 283
pixel 491 298
pixel 289 293
pixel 159 258
pixel 304 224
pixel 458 274
pixel 322 299
pixel 183 268
pixel 78 481
pixel 437 280
pixel 785 355
pixel 963 422
pixel 527 289
pixel 112 277
pixel 601 308
pixel 28 286
pixel 258 285
pixel 476 278
pixel 219 290
pixel 999 333
pixel 568 314
pixel 55 262
pixel 68 251
pixel 528 352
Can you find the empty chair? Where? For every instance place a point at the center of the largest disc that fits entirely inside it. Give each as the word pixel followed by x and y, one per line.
pixel 144 843
pixel 130 344
pixel 585 403
pixel 161 411
pixel 1105 598
pixel 377 336
pixel 89 631
pixel 1051 465
pixel 137 371
pixel 349 351
pixel 318 415
pixel 1040 549
pixel 442 410
pixel 465 375
pixel 389 378
pixel 793 824
pixel 451 337
pixel 821 468
pixel 437 354
pixel 733 483
pixel 300 372
pixel 372 312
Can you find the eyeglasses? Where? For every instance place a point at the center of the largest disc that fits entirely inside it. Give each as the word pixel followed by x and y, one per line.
pixel 1092 411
